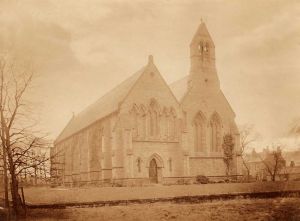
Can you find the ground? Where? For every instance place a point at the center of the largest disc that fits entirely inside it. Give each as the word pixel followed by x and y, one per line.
pixel 46 195
pixel 244 209
pixel 237 209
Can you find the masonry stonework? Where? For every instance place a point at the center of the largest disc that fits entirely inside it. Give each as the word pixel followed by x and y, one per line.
pixel 146 131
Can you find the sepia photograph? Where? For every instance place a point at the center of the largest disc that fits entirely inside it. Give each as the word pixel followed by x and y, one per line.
pixel 149 110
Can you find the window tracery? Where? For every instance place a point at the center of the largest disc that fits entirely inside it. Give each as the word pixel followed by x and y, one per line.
pixel 139 164
pixel 215 133
pixel 172 124
pixel 135 116
pixel 153 123
pixel 199 132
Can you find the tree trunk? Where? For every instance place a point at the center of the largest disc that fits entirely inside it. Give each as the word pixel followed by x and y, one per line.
pixel 14 184
pixel 248 175
pixel 5 179
pixel 14 191
pixel 35 176
pixel 247 168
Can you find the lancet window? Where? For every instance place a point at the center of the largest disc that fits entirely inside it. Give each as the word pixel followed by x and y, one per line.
pixel 199 132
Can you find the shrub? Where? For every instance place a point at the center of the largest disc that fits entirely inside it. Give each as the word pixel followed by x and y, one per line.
pixel 202 179
pixel 180 181
pixel 117 185
pixel 187 182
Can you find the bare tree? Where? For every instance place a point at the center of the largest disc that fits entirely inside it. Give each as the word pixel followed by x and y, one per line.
pixel 5 175
pixel 16 133
pixel 274 163
pixel 30 158
pixel 247 137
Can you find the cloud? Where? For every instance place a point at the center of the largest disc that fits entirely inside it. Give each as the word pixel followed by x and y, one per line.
pixel 84 48
pixel 46 43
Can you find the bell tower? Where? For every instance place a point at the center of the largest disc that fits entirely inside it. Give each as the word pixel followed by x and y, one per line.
pixel 203 73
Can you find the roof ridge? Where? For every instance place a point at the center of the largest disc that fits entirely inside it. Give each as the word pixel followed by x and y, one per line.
pixel 106 104
pixel 179 88
pixel 110 91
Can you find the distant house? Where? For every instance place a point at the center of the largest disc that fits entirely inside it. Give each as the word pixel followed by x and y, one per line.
pixel 258 171
pixel 255 165
pixel 292 157
pixel 290 173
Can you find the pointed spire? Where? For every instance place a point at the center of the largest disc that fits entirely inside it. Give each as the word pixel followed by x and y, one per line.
pixel 202 32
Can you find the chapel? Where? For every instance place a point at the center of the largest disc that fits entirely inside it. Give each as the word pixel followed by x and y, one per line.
pixel 147 131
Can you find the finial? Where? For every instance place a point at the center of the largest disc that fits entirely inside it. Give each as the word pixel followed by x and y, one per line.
pixel 150 59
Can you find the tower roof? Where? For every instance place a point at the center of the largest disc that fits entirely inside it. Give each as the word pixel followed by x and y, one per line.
pixel 202 33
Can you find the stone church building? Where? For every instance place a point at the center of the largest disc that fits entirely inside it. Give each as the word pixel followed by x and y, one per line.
pixel 145 130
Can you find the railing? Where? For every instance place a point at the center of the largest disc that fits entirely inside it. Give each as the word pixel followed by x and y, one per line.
pixel 144 180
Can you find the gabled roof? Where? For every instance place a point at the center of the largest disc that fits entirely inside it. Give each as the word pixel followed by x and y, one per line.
pixel 202 31
pixel 104 106
pixel 179 87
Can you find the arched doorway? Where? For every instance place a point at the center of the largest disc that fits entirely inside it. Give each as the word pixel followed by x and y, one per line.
pixel 153 171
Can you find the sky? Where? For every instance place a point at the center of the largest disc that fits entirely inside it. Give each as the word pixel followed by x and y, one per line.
pixel 81 49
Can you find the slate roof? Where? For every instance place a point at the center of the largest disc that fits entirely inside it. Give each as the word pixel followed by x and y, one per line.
pixel 179 88
pixel 104 106
pixel 110 102
pixel 203 32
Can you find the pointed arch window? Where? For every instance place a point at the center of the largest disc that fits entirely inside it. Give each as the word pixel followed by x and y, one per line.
pixel 199 132
pixel 200 47
pixel 215 133
pixel 170 164
pixel 142 122
pixel 206 47
pixel 134 117
pixel 154 118
pixel 164 123
pixel 139 164
pixel 153 123
pixel 172 124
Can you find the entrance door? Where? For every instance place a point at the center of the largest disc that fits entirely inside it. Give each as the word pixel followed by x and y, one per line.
pixel 153 171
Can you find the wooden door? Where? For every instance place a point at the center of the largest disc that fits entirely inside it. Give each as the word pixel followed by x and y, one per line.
pixel 153 171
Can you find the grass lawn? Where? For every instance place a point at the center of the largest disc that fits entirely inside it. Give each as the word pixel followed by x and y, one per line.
pixel 244 209
pixel 46 195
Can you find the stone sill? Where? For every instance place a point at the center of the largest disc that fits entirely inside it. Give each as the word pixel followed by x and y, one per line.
pixel 156 141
